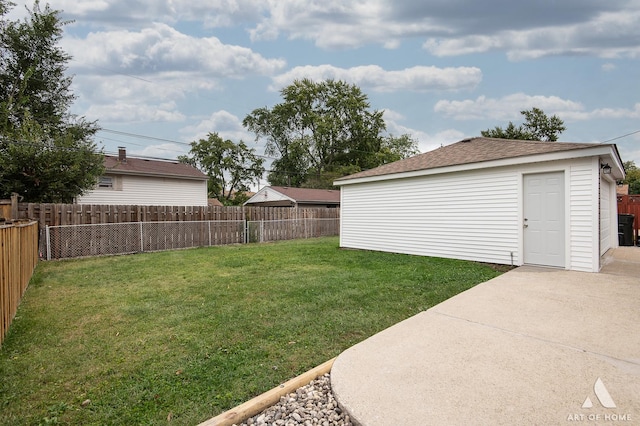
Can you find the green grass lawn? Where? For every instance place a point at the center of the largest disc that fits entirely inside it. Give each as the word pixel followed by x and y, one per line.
pixel 185 335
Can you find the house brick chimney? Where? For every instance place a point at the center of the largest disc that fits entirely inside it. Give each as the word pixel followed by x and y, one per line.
pixel 122 154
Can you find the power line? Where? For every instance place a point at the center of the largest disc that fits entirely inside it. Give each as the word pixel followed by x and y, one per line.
pixel 75 149
pixel 143 157
pixel 121 143
pixel 153 138
pixel 620 137
pixel 111 71
pixel 198 93
pixel 46 146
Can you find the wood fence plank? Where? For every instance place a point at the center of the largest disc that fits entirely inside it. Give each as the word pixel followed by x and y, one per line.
pixel 18 258
pixel 229 232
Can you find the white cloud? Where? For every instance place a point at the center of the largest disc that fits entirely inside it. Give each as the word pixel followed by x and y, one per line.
pixel 80 8
pixel 136 14
pixel 134 112
pixel 130 76
pixel 148 62
pixel 163 150
pixel 462 46
pixel 426 142
pixel 340 24
pixel 161 48
pixel 227 125
pixel 607 36
pixel 604 114
pixel 442 138
pixel 130 100
pixel 509 107
pixel 523 30
pixel 393 116
pixel 505 108
pixel 122 88
pixel 418 78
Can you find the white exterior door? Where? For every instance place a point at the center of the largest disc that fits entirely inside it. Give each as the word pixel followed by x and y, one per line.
pixel 544 219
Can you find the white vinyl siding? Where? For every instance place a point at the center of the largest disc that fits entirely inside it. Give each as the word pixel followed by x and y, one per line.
pixel 583 205
pixel 465 215
pixel 473 215
pixel 149 191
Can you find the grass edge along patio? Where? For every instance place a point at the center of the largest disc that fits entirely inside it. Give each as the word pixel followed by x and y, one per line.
pixel 188 334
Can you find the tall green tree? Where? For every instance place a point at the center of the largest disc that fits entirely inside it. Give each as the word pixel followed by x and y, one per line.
pixel 632 177
pixel 41 169
pixel 536 127
pixel 290 165
pixel 394 148
pixel 320 131
pixel 46 153
pixel 231 167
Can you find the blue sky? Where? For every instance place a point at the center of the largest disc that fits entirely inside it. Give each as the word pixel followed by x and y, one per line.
pixel 171 71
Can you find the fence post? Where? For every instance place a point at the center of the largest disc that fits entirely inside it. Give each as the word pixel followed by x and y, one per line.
pixel 48 242
pixel 108 235
pixel 262 231
pixel 246 231
pixel 141 238
pixel 14 205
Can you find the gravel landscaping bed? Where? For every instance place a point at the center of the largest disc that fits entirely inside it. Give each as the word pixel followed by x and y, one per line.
pixel 312 404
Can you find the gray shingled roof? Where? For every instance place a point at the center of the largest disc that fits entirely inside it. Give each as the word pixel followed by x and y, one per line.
pixel 468 151
pixel 140 166
pixel 306 195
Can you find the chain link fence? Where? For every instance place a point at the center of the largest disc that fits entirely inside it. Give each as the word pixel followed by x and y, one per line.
pixel 69 241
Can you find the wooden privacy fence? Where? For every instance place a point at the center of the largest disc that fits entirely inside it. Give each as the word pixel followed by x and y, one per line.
pixel 86 214
pixel 630 204
pixel 65 230
pixel 290 229
pixel 68 241
pixel 18 259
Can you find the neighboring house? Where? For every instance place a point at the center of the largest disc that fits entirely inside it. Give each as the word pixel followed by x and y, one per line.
pixel 490 200
pixel 283 196
pixel 139 181
pixel 622 189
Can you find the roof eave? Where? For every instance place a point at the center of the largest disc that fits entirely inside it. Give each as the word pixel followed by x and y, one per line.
pixel 151 174
pixel 618 160
pixel 318 202
pixel 262 191
pixel 525 159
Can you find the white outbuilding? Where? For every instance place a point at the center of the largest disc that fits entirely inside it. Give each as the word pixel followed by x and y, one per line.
pixel 490 200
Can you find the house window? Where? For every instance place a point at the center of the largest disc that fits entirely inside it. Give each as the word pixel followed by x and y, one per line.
pixel 105 182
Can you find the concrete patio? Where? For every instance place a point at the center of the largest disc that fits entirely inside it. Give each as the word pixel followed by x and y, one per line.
pixel 527 347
